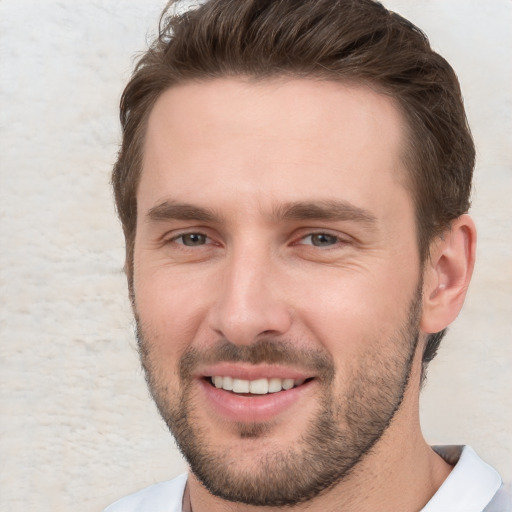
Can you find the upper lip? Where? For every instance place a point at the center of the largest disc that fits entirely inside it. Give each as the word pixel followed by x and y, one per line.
pixel 252 372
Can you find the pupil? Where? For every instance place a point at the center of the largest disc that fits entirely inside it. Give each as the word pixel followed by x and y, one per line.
pixel 194 239
pixel 323 239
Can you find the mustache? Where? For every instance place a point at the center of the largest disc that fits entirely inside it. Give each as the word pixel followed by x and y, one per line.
pixel 270 351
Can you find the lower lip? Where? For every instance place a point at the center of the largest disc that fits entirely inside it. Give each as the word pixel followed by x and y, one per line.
pixel 255 408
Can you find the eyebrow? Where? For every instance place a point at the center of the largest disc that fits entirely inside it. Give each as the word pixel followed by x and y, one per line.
pixel 173 210
pixel 324 210
pixel 292 211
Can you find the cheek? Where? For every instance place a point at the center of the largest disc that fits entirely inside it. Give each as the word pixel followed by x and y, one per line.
pixel 349 311
pixel 171 311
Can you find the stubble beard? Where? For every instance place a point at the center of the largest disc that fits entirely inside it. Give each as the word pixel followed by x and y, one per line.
pixel 341 434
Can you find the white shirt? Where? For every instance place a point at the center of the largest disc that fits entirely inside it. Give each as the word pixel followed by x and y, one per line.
pixel 472 486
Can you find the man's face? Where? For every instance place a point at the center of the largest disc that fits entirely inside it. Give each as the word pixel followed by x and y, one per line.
pixel 275 247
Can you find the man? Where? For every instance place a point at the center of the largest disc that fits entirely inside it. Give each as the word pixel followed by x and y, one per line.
pixel 293 185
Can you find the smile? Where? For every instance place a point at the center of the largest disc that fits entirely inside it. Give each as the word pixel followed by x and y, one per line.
pixel 260 386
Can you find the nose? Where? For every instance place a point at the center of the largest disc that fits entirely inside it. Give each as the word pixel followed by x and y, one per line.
pixel 250 303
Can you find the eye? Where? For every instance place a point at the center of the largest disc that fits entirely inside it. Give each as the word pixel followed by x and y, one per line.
pixel 191 239
pixel 320 240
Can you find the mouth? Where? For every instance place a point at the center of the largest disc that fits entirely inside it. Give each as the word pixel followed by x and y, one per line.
pixel 253 393
pixel 261 386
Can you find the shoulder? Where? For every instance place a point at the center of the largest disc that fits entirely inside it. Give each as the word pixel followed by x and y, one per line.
pixel 162 497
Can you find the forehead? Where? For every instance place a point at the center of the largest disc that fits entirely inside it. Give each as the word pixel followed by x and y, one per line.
pixel 270 141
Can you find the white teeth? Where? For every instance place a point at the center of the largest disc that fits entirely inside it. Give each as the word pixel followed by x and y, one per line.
pixel 259 387
pixel 256 387
pixel 227 383
pixel 274 385
pixel 287 383
pixel 240 386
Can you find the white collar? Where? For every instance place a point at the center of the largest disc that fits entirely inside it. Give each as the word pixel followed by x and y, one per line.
pixel 469 487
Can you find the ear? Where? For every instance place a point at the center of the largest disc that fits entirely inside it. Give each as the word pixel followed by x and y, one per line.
pixel 447 274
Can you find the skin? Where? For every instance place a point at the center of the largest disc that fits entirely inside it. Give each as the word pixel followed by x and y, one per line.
pixel 246 151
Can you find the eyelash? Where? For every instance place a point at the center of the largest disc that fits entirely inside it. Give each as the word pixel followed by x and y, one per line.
pixel 181 236
pixel 335 239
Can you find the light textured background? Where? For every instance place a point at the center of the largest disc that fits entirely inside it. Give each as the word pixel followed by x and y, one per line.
pixel 77 427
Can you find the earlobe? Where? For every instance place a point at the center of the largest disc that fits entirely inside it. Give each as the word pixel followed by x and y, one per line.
pixel 447 274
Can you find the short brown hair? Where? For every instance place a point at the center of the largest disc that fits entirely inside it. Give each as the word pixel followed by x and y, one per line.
pixel 338 40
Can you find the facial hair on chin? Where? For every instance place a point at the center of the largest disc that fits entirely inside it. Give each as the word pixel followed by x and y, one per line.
pixel 343 431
